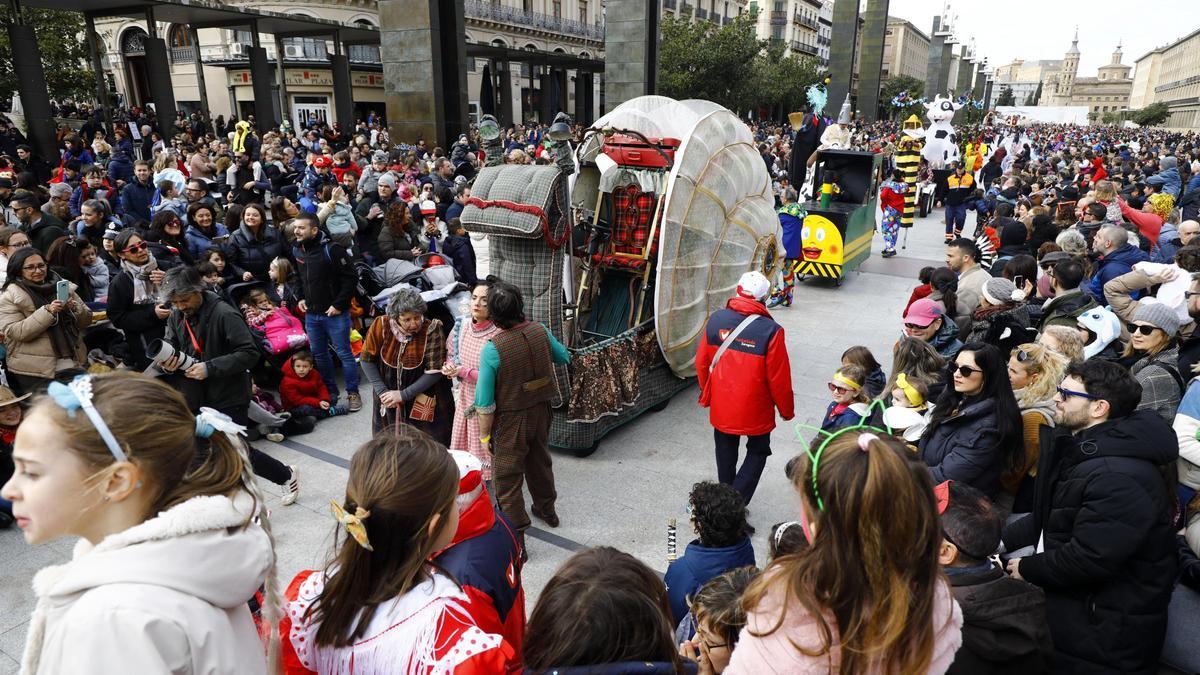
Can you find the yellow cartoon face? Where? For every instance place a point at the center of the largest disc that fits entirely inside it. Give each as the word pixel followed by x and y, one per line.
pixel 822 242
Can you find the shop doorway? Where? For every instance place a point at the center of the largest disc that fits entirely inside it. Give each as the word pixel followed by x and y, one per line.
pixel 309 108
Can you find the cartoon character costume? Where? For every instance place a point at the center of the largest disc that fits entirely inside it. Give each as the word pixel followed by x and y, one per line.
pixel 808 128
pixel 908 161
pixel 791 220
pixel 892 198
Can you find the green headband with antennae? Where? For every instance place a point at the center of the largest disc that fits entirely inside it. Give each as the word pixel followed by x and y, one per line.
pixel 815 457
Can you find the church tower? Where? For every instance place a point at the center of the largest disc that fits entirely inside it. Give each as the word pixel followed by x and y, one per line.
pixel 1066 79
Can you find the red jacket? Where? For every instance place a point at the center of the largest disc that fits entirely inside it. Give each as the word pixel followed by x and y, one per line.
pixel 753 377
pixel 1098 171
pixel 922 291
pixel 295 391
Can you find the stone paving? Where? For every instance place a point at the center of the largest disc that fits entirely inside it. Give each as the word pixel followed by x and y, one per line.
pixel 623 494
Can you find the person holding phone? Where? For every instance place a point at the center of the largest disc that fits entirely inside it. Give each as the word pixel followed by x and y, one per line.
pixel 42 319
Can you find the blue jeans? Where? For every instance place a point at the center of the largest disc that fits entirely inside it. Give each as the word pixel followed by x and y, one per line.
pixel 322 331
pixel 956 218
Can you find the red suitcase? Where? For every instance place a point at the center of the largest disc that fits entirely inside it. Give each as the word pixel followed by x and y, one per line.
pixel 632 151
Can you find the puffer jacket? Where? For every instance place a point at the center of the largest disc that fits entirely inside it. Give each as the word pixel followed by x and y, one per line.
pixel 1186 425
pixel 1104 512
pixel 1167 181
pixel 1110 267
pixel 697 566
pixel 198 242
pixel 255 255
pixel 966 447
pixel 25 326
pixel 178 581
pixel 753 377
pixel 1004 624
pixel 1162 385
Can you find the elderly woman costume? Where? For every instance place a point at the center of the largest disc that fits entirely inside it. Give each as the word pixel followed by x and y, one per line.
pixel 402 357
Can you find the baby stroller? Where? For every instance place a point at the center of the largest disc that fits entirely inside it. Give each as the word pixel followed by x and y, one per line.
pixel 277 339
pixel 434 277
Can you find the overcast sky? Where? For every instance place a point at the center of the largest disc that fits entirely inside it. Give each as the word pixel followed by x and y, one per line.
pixel 1042 29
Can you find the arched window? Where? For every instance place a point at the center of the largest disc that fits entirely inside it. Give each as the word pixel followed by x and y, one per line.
pixel 179 36
pixel 133 41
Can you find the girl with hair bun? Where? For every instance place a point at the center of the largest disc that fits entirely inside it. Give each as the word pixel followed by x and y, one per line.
pixel 867 595
pixel 174 539
pixel 381 605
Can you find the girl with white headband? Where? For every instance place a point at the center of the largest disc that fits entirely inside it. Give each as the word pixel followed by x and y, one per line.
pixel 173 537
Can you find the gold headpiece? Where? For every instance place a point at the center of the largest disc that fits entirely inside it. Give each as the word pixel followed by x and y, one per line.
pixel 354 523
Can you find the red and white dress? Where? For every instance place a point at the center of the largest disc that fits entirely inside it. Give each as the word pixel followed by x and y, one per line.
pixel 426 631
pixel 463 349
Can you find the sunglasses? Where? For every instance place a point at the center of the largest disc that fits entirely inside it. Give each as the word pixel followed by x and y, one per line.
pixel 917 326
pixel 1188 295
pixel 140 246
pixel 1144 330
pixel 965 371
pixel 837 390
pixel 1023 356
pixel 1068 393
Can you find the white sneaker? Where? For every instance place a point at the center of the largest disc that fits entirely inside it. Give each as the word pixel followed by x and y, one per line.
pixel 274 437
pixel 291 489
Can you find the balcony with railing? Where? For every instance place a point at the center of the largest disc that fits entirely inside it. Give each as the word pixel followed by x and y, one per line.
pixel 363 54
pixel 479 9
pixel 778 18
pixel 804 48
pixel 804 20
pixel 183 55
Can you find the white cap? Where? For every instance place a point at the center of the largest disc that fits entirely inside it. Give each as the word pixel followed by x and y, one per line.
pixel 428 207
pixel 754 285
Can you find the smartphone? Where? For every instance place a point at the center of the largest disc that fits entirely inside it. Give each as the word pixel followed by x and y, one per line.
pixel 64 290
pixel 1019 281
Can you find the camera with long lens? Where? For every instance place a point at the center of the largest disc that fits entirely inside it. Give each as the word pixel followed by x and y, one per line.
pixel 160 350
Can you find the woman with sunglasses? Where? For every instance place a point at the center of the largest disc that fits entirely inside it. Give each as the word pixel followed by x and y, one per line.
pixel 975 433
pixel 133 304
pixel 167 241
pixel 1035 373
pixel 43 335
pixel 1155 354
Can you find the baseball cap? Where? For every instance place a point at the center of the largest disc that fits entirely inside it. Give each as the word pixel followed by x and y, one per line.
pixel 321 161
pixel 753 285
pixel 923 312
pixel 428 207
pixel 112 231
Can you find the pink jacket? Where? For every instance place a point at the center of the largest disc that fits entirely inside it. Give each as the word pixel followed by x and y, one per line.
pixel 775 653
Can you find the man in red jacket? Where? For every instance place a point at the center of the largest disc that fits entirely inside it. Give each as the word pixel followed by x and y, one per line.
pixel 742 364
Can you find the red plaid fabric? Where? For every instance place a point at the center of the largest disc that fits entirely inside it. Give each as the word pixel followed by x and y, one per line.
pixel 632 212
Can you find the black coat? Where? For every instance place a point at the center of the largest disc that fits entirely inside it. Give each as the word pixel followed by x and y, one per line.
pixel 255 255
pixel 227 348
pixel 1105 511
pixel 139 323
pixel 326 273
pixel 965 447
pixel 1004 625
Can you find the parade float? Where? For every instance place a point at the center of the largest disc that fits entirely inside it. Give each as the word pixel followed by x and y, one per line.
pixel 625 246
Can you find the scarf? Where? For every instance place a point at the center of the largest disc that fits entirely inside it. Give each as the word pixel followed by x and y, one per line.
pixel 144 291
pixel 64 332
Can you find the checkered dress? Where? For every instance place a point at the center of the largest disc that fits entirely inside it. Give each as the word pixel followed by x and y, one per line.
pixel 463 348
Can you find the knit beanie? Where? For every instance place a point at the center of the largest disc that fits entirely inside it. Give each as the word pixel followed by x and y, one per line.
pixel 1158 315
pixel 1001 291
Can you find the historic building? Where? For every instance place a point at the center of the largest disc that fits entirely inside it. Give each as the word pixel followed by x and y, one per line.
pixel 1107 92
pixel 791 24
pixel 1171 75
pixel 905 50
pixel 719 12
pixel 572 28
pixel 1025 78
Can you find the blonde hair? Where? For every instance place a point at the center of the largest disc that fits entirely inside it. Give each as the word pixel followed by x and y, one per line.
pixel 1104 191
pixel 1049 367
pixel 1070 342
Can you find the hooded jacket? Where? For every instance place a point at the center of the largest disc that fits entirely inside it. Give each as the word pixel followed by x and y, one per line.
pixel 697 566
pixel 1004 624
pixel 198 242
pixel 1110 266
pixel 27 330
pixel 1167 181
pixel 1104 513
pixel 753 377
pixel 946 341
pixel 165 596
pixel 485 559
pixel 295 391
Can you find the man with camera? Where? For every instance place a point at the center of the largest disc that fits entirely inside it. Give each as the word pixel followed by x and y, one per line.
pixel 207 352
